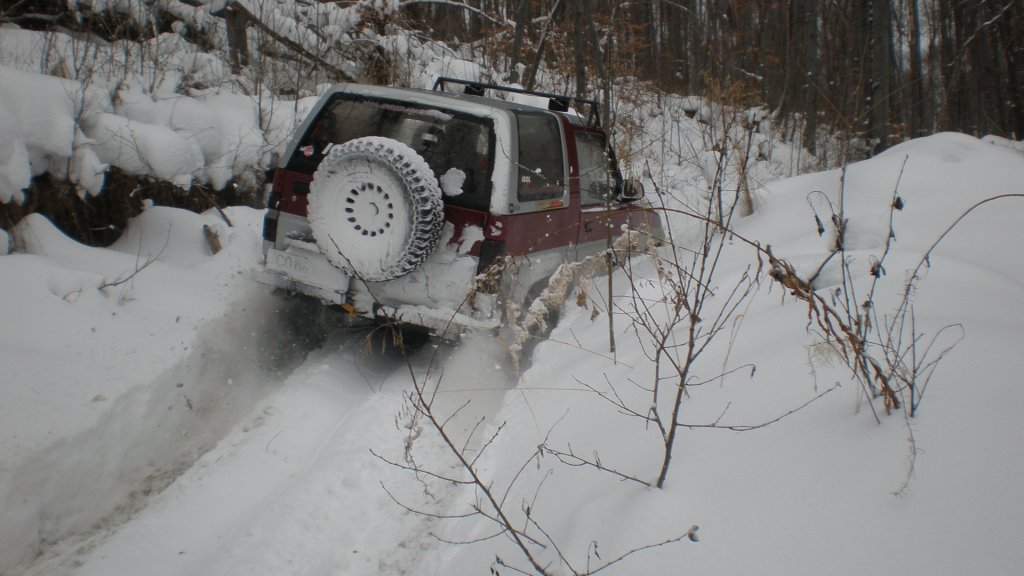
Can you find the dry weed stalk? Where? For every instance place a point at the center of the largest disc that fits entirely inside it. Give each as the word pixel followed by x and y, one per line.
pixel 888 356
pixel 690 303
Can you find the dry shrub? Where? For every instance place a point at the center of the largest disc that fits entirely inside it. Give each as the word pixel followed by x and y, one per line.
pixel 99 220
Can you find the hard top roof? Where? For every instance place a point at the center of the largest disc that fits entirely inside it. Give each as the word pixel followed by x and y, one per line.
pixel 458 102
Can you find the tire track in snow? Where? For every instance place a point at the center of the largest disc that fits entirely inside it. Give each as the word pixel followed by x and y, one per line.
pixel 294 488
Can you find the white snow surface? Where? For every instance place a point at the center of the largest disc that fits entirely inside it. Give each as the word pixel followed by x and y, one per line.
pixel 39 122
pixel 117 112
pixel 155 418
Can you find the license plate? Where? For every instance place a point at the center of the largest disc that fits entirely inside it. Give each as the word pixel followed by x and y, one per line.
pixel 307 268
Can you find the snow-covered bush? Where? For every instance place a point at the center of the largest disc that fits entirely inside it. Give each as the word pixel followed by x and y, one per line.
pixel 40 116
pixel 151 88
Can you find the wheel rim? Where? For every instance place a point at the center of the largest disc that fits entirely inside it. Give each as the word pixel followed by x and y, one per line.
pixel 369 208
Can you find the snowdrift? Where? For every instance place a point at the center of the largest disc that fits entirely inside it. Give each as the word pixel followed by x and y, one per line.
pixel 141 434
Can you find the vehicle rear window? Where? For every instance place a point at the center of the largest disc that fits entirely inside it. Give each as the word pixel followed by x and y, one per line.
pixel 453 144
pixel 541 166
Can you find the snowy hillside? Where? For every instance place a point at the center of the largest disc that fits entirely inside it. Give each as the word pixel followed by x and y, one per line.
pixel 157 419
pixel 160 414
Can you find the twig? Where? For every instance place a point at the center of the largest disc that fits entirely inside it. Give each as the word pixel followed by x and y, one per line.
pixel 570 458
pixel 150 260
pixel 749 427
pixel 690 535
pixel 420 470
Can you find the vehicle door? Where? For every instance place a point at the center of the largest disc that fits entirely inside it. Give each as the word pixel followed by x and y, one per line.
pixel 593 172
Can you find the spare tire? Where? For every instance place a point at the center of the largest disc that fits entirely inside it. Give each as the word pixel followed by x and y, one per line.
pixel 375 208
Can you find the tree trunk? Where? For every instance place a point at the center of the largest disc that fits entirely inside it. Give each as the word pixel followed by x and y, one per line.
pixel 238 46
pixel 522 18
pixel 879 79
pixel 950 67
pixel 696 47
pixel 916 111
pixel 578 48
pixel 531 76
pixel 812 81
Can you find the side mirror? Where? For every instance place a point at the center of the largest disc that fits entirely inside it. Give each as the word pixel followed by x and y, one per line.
pixel 632 191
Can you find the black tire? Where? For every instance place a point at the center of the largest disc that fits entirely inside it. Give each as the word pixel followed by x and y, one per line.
pixel 539 333
pixel 375 208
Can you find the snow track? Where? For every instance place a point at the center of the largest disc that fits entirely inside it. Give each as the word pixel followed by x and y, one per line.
pixel 284 490
pixel 147 436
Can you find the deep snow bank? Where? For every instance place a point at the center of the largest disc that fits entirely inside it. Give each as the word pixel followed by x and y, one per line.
pixel 293 488
pixel 121 366
pixel 814 493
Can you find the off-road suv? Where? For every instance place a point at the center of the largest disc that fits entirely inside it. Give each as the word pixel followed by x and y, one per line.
pixel 396 203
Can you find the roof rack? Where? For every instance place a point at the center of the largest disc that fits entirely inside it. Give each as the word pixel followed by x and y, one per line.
pixel 556 102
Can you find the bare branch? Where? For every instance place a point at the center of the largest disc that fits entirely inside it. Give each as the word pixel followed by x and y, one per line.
pixel 690 535
pixel 427 514
pixel 571 459
pixel 460 5
pixel 749 427
pixel 419 470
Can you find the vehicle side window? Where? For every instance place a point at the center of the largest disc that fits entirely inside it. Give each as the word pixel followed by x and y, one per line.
pixel 458 148
pixel 599 177
pixel 541 174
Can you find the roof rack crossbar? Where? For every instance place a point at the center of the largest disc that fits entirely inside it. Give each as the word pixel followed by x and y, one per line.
pixel 558 102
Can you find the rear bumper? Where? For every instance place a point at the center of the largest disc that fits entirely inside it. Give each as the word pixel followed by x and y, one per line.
pixel 297 269
pixel 446 324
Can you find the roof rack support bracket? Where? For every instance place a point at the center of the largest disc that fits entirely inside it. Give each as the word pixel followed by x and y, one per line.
pixel 556 102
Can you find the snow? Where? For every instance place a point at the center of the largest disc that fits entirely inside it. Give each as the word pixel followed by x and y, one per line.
pixel 90 314
pixel 137 119
pixel 195 122
pixel 143 149
pixel 470 236
pixel 39 117
pixel 144 431
pixel 15 174
pixel 242 143
pixel 447 274
pixel 123 100
pixel 451 182
pixel 160 414
pixel 529 100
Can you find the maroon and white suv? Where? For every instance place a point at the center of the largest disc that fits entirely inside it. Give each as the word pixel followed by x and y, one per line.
pixel 438 209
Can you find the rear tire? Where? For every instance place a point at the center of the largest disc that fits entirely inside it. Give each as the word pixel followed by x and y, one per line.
pixel 375 208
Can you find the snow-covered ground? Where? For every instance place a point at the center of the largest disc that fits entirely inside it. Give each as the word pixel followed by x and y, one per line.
pixel 156 417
